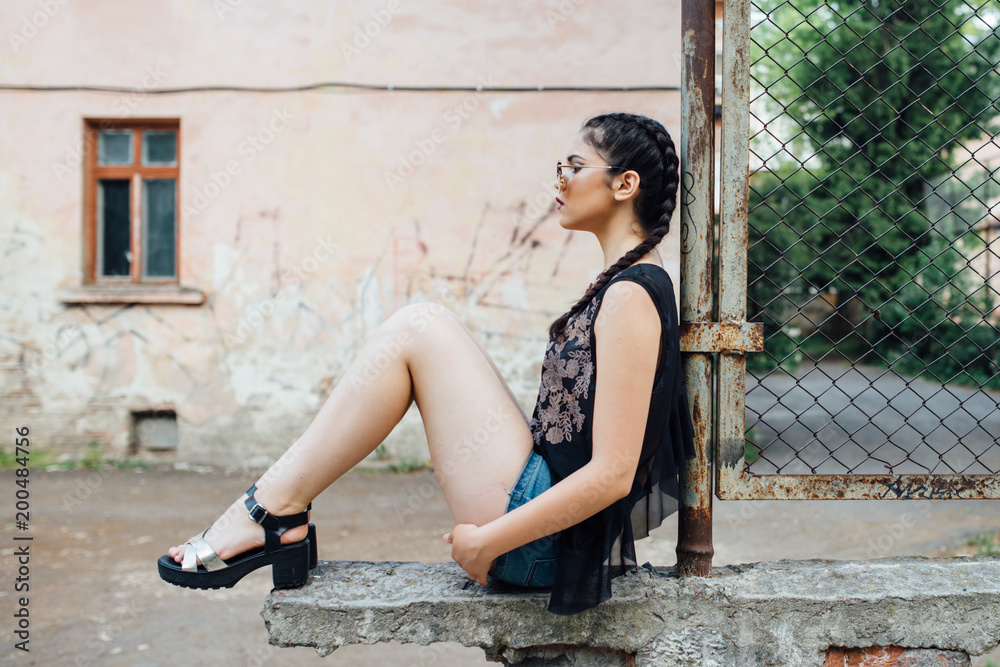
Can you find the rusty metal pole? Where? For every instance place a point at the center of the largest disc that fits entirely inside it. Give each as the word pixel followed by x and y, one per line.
pixel 694 538
pixel 731 399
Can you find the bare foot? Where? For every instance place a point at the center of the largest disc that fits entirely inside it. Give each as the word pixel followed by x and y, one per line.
pixel 235 532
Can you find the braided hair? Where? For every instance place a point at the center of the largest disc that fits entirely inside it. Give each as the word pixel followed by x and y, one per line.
pixel 640 144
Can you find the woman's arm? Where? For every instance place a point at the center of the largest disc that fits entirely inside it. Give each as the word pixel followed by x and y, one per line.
pixel 627 340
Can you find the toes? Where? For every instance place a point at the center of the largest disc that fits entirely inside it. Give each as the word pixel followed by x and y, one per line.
pixel 177 553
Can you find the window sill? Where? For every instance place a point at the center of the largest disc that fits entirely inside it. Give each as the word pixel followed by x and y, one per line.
pixel 151 294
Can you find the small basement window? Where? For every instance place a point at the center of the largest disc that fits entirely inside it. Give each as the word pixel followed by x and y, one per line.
pixel 154 431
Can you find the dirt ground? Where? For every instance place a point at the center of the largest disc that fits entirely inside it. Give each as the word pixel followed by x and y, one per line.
pixel 96 598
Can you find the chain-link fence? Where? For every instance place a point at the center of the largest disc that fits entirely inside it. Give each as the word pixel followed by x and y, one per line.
pixel 874 258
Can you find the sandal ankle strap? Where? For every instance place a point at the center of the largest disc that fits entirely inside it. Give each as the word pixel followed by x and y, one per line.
pixel 253 489
pixel 273 524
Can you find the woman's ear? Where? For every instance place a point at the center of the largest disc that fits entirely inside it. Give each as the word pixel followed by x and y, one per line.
pixel 626 185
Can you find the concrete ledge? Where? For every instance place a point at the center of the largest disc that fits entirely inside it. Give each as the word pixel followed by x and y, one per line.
pixel 784 613
pixel 129 293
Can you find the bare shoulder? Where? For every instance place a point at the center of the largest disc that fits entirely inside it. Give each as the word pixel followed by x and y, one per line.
pixel 628 311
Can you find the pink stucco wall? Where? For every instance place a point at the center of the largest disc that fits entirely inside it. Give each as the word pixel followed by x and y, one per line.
pixel 307 243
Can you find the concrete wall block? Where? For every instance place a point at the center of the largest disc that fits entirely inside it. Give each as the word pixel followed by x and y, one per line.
pixel 779 614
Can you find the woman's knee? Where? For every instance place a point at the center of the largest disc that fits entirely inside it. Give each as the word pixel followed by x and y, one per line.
pixel 418 319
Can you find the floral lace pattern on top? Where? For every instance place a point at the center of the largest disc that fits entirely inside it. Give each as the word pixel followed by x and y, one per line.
pixel 602 546
pixel 567 371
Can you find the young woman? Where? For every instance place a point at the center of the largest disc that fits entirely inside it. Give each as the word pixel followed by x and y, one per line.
pixel 554 501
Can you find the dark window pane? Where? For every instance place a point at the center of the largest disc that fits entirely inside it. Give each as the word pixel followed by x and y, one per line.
pixel 114 147
pixel 113 228
pixel 159 147
pixel 159 215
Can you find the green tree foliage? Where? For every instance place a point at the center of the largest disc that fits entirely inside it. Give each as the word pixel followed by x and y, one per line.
pixel 870 110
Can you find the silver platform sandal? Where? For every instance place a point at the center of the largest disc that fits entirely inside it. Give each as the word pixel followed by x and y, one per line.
pixel 290 563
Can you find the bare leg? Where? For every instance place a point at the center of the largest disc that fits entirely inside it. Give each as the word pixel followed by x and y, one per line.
pixel 477 433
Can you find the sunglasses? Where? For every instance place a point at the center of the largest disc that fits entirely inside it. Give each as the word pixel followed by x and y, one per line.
pixel 572 169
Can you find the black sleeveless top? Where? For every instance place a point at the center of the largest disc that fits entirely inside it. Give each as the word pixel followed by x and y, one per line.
pixel 602 547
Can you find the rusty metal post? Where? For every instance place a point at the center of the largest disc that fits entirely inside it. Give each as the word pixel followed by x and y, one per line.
pixel 731 399
pixel 694 538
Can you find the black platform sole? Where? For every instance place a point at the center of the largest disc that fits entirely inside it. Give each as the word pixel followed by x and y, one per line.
pixel 290 565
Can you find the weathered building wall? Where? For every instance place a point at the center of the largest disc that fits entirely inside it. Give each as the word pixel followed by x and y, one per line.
pixel 306 217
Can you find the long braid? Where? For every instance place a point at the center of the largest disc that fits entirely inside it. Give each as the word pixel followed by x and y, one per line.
pixel 655 232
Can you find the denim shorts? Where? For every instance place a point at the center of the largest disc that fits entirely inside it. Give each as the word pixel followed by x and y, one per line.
pixel 533 564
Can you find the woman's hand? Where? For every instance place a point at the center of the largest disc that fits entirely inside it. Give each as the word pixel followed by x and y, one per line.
pixel 470 552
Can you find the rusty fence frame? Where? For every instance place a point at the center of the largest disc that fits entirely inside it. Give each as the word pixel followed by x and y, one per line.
pixel 715 337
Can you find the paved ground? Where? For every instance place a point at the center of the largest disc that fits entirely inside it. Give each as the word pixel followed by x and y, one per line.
pixel 829 416
pixel 96 598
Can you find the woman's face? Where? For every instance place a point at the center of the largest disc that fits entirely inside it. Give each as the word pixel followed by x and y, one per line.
pixel 583 197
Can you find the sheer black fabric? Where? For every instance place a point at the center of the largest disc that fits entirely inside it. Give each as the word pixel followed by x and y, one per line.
pixel 602 547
